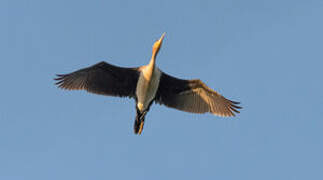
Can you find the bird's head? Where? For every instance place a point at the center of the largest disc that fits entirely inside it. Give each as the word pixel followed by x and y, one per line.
pixel 157 45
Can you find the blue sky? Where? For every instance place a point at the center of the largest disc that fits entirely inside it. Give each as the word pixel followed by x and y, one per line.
pixel 266 54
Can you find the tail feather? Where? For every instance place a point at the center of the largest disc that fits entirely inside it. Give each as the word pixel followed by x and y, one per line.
pixel 139 122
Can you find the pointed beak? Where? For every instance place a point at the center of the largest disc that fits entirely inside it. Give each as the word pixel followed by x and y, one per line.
pixel 158 44
pixel 161 38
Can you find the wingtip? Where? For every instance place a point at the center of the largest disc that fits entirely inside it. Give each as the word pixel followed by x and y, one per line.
pixel 233 109
pixel 234 102
pixel 59 77
pixel 59 80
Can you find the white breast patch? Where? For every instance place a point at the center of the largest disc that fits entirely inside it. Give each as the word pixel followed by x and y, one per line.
pixel 147 87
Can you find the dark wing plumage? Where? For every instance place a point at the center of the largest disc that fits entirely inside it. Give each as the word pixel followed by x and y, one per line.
pixel 193 96
pixel 102 78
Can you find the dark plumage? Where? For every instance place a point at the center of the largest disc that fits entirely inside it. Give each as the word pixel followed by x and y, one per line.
pixel 101 78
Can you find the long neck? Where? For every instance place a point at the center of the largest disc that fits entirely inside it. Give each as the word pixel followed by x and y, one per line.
pixel 150 68
pixel 153 59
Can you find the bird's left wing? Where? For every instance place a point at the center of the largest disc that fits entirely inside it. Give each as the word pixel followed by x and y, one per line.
pixel 102 78
pixel 193 96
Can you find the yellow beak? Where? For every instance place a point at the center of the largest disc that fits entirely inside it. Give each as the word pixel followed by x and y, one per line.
pixel 158 44
pixel 162 37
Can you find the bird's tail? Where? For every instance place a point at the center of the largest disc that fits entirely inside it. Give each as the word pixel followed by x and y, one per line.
pixel 139 122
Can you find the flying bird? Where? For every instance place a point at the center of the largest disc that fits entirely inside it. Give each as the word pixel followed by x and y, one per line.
pixel 147 84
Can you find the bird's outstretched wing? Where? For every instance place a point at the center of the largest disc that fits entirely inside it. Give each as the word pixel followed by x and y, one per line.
pixel 102 78
pixel 193 96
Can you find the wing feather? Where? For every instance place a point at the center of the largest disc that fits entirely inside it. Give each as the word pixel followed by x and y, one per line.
pixel 101 78
pixel 193 96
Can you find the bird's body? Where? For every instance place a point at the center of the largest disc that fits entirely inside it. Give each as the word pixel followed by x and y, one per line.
pixel 147 84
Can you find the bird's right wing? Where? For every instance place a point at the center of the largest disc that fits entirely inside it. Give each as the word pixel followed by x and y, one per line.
pixel 102 78
pixel 193 96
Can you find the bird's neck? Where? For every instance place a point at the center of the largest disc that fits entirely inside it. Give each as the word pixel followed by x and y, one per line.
pixel 152 62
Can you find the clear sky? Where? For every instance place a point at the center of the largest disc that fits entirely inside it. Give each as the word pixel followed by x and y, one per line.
pixel 266 54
